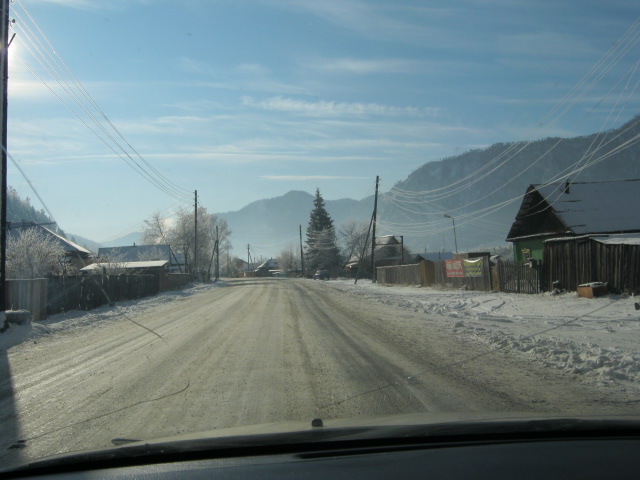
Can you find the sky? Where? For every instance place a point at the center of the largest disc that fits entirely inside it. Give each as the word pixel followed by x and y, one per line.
pixel 248 99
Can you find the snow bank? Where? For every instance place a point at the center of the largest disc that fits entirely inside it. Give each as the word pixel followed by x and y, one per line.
pixel 100 316
pixel 597 339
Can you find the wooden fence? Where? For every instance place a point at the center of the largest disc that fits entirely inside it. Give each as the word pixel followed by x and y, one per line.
pixel 477 278
pixel 516 277
pixel 399 275
pixel 29 295
pixel 86 292
pixel 48 296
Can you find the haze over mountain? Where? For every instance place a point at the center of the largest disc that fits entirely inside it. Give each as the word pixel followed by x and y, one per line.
pixel 271 224
pixel 481 189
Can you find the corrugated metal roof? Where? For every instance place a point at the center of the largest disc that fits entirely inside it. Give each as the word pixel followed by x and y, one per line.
pixel 132 253
pixel 619 240
pixel 596 207
pixel 126 265
pixel 622 239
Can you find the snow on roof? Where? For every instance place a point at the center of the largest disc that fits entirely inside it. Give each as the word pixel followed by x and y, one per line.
pixel 621 239
pixel 66 244
pixel 595 207
pixel 126 265
pixel 132 253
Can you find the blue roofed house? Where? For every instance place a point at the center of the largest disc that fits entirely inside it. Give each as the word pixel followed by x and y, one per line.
pixel 135 253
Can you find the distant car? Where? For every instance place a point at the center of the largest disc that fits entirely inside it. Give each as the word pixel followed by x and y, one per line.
pixel 321 275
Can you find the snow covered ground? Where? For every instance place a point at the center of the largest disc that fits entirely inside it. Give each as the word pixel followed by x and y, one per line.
pixel 69 321
pixel 597 339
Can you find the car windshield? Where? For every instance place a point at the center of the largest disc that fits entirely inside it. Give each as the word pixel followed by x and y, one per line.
pixel 463 176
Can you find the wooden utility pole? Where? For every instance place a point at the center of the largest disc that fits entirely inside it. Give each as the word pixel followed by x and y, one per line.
pixel 4 64
pixel 301 253
pixel 195 235
pixel 217 254
pixel 373 238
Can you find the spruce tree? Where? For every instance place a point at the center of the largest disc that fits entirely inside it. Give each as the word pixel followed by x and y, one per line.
pixel 322 251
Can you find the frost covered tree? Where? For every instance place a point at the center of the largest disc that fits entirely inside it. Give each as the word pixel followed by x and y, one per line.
pixel 352 240
pixel 322 251
pixel 179 233
pixel 289 259
pixel 32 254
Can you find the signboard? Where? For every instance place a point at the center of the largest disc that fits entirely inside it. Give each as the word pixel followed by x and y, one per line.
pixel 454 268
pixel 473 268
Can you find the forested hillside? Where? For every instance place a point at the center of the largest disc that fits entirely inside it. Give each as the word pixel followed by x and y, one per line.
pixel 21 210
pixel 481 189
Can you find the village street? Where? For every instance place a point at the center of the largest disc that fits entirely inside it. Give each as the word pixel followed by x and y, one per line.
pixel 254 351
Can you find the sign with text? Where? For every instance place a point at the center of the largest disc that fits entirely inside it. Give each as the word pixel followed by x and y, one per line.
pixel 454 268
pixel 473 268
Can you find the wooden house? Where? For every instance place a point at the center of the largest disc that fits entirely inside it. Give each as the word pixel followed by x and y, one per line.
pixel 571 209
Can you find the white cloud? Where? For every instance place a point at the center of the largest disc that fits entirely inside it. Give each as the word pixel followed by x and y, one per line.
pixel 364 67
pixel 304 178
pixel 331 108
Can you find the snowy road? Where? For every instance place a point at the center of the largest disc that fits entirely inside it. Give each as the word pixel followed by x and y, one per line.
pixel 256 351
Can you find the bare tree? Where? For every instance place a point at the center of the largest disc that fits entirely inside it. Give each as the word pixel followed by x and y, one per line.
pixel 32 254
pixel 180 235
pixel 289 259
pixel 155 230
pixel 353 236
pixel 150 254
pixel 113 264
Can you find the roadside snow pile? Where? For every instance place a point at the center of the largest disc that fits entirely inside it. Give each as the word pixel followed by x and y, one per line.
pixel 598 339
pixel 97 318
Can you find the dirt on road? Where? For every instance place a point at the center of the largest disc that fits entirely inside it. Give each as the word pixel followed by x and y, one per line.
pixel 257 351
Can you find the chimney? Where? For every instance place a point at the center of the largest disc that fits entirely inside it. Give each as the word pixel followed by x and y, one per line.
pixel 567 186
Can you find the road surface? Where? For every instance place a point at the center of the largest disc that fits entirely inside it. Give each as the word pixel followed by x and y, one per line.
pixel 254 351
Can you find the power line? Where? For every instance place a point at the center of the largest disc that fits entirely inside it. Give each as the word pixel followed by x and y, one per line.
pixel 61 74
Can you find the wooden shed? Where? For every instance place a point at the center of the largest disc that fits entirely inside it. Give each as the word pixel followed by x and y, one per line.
pixel 612 259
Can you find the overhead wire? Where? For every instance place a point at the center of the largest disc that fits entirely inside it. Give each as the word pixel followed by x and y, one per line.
pixel 51 64
pixel 628 41
pixel 397 196
pixel 92 101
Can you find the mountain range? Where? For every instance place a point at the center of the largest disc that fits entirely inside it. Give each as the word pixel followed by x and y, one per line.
pixel 480 190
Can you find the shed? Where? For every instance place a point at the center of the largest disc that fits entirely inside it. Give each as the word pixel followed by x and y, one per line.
pixel 611 259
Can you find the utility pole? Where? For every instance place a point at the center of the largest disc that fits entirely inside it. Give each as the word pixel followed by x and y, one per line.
pixel 455 237
pixel 248 259
pixel 301 253
pixel 217 254
pixel 195 235
pixel 373 238
pixel 4 64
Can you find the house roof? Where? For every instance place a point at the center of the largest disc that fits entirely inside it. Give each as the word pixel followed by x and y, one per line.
pixel 67 245
pixel 582 208
pixel 126 265
pixel 623 239
pixel 271 264
pixel 133 253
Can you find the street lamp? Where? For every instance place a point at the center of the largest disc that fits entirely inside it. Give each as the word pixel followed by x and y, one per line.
pixel 455 237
